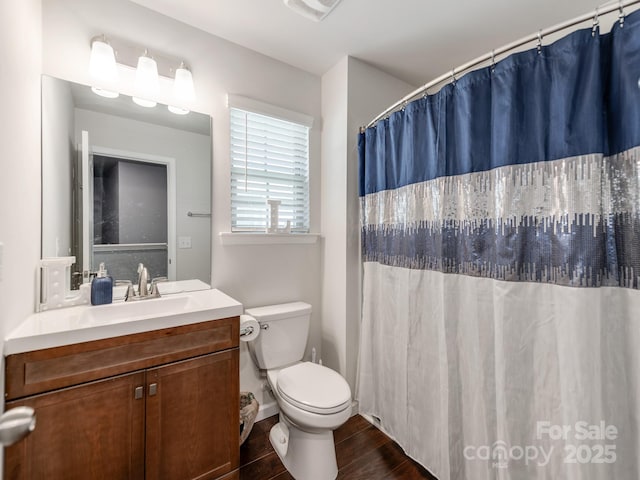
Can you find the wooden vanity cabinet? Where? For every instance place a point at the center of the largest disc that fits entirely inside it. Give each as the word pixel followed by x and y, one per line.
pixel 168 408
pixel 90 431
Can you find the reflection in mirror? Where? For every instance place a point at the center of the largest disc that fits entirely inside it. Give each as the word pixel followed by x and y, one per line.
pixel 119 182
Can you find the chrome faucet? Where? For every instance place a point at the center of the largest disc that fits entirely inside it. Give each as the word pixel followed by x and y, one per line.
pixel 144 291
pixel 143 281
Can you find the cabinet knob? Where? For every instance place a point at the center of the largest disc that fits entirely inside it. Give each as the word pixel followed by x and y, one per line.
pixel 153 389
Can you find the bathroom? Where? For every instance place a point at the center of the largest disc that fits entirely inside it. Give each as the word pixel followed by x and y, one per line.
pixel 52 37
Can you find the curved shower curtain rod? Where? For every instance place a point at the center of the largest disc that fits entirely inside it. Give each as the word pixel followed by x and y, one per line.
pixel 511 46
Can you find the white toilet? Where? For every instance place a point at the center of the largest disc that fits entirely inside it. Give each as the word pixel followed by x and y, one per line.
pixel 313 400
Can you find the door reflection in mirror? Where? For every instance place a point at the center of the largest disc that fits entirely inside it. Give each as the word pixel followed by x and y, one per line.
pixel 130 216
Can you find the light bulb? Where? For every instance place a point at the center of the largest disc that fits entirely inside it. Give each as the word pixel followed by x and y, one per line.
pixel 143 102
pixel 177 110
pixel 104 92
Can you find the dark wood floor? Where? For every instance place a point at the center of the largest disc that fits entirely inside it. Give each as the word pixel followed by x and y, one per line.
pixel 363 453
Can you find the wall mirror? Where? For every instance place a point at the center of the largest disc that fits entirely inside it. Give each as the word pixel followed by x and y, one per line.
pixel 124 184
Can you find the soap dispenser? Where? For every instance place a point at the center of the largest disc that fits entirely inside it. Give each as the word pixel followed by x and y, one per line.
pixel 101 287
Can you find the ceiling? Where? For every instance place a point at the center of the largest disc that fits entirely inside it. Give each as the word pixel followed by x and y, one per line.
pixel 414 40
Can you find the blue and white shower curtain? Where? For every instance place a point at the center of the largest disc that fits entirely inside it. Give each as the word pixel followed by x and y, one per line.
pixel 500 223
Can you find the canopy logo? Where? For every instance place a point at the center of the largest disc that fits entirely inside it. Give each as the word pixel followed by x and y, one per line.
pixel 500 454
pixel 584 443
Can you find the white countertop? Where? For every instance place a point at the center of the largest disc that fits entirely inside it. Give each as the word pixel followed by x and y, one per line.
pixel 84 323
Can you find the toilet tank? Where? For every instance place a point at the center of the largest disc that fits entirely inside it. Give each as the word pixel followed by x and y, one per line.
pixel 283 334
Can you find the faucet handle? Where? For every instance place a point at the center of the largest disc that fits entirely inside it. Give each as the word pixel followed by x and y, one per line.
pixel 154 285
pixel 130 291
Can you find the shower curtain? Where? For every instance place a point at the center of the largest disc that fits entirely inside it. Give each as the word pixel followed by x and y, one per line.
pixel 500 224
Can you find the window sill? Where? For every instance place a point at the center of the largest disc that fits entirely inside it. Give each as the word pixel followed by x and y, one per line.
pixel 240 238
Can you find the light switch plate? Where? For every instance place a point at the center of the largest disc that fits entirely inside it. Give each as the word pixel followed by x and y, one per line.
pixel 184 242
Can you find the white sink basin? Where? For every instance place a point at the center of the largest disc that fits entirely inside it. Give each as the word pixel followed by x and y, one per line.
pixel 138 309
pixel 84 323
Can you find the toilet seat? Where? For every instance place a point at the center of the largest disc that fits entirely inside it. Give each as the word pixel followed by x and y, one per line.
pixel 314 388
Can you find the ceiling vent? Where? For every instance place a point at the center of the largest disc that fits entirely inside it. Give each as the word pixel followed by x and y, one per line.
pixel 314 10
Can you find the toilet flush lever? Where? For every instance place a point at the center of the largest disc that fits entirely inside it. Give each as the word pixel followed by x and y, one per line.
pixel 16 424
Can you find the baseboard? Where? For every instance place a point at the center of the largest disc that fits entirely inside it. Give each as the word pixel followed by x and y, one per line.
pixel 267 410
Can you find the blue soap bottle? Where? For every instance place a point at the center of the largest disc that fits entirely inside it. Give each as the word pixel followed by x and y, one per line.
pixel 102 288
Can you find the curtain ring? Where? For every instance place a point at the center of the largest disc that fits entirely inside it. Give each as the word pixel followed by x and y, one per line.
pixel 453 76
pixel 404 105
pixel 596 24
pixel 493 60
pixel 539 42
pixel 621 14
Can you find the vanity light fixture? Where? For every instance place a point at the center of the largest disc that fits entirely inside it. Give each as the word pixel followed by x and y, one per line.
pixel 102 66
pixel 148 70
pixel 147 83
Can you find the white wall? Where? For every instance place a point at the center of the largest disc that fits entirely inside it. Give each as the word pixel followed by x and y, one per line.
pixel 334 226
pixel 58 154
pixel 255 275
pixel 20 51
pixel 353 92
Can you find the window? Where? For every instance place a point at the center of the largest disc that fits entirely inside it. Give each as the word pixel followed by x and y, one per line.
pixel 269 161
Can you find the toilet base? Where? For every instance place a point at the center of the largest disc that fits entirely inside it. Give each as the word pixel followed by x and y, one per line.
pixel 305 455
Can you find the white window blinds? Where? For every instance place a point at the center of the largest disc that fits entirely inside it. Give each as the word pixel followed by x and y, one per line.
pixel 269 161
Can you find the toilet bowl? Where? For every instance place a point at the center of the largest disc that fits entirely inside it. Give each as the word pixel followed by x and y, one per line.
pixel 313 399
pixel 312 396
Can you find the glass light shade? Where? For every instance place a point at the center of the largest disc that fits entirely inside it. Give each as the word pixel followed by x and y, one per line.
pixel 144 102
pixel 183 85
pixel 104 92
pixel 102 63
pixel 177 110
pixel 147 83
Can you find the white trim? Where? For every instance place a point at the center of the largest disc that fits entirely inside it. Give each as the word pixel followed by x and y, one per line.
pixel 255 106
pixel 238 238
pixel 87 205
pixel 170 163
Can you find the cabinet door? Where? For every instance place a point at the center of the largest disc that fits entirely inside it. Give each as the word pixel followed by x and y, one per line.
pixel 90 431
pixel 193 418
